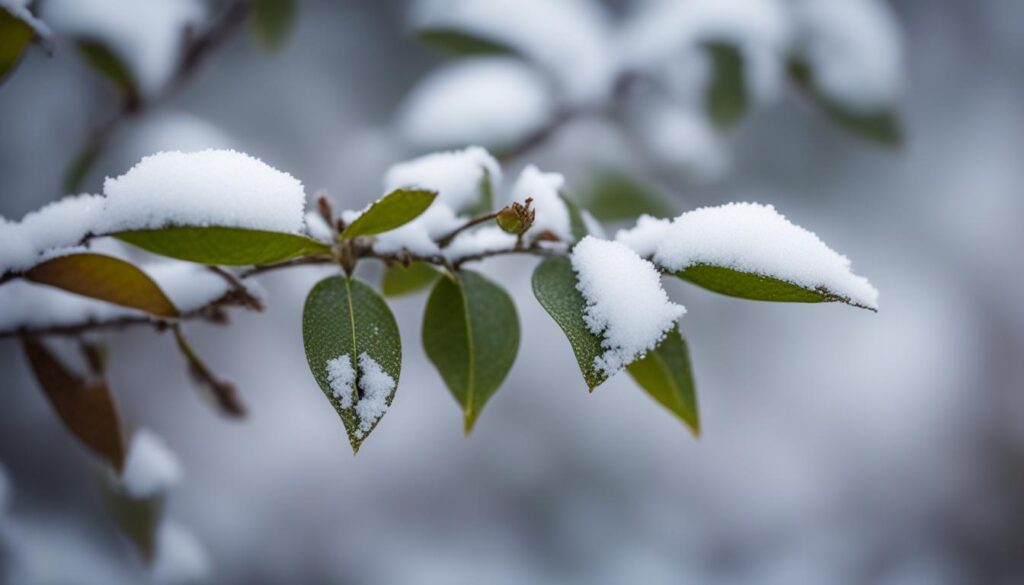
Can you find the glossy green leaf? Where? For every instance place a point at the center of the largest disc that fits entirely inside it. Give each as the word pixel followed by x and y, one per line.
pixel 616 196
pixel 462 43
pixel 272 21
pixel 726 97
pixel 471 334
pixel 84 404
pixel 105 278
pixel 389 212
pixel 223 245
pixel 109 64
pixel 15 36
pixel 342 317
pixel 137 518
pixel 665 373
pixel 399 280
pixel 554 285
pixel 746 285
pixel 881 126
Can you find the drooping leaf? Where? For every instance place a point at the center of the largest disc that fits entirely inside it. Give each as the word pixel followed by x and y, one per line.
pixel 746 285
pixel 394 210
pixel 137 518
pixel 109 64
pixel 220 392
pixel 554 285
pixel 471 334
pixel 614 196
pixel 726 98
pixel 85 405
pixel 665 373
pixel 880 126
pixel 272 21
pixel 461 42
pixel 399 280
pixel 577 226
pixel 344 317
pixel 227 246
pixel 15 36
pixel 105 278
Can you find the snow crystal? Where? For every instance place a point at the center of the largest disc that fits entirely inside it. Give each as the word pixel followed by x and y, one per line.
pixel 341 376
pixel 376 385
pixel 147 36
pixel 552 214
pixel 180 558
pixel 756 238
pixel 626 304
pixel 206 188
pixel 854 49
pixel 317 228
pixel 151 467
pixel 645 236
pixel 485 239
pixel 493 100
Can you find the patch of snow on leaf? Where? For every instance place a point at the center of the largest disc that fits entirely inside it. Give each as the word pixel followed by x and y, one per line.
pixel 755 238
pixel 317 228
pixel 645 236
pixel 552 214
pixel 207 188
pixel 342 378
pixel 494 101
pixel 63 223
pixel 376 385
pixel 151 468
pixel 626 304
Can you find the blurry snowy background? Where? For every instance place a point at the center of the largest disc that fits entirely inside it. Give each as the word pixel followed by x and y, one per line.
pixel 839 446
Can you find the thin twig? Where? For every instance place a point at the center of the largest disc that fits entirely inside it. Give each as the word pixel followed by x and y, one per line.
pixel 301 261
pixel 475 220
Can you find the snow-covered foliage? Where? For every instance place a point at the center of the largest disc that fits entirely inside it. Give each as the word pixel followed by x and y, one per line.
pixel 479 241
pixel 342 377
pixel 626 305
pixel 644 237
pixel 545 189
pixel 151 468
pixel 376 385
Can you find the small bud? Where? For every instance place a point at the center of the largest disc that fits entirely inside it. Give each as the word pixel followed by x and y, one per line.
pixel 517 218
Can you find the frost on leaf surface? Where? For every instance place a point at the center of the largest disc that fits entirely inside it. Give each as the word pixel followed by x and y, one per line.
pixel 552 213
pixel 626 304
pixel 151 467
pixel 757 239
pixel 375 385
pixel 342 378
pixel 221 188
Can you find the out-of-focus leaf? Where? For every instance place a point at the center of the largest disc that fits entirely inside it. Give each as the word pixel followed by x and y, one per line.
pixel 15 35
pixel 272 21
pixel 137 518
pixel 105 61
pixel 577 226
pixel 105 278
pixel 85 405
pixel 486 200
pixel 554 285
pixel 726 98
pixel 462 43
pixel 882 126
pixel 226 246
pixel 757 287
pixel 471 334
pixel 221 392
pixel 394 210
pixel 342 317
pixel 614 196
pixel 399 280
pixel 666 375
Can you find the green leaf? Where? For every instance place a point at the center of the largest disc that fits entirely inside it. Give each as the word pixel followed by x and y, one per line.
pixel 389 212
pixel 461 43
pixel 15 35
pixel 272 21
pixel 577 226
pixel 665 373
pixel 399 280
pixel 881 126
pixel 227 246
pixel 105 278
pixel 757 287
pixel 615 196
pixel 85 405
pixel 726 98
pixel 342 317
pixel 554 285
pixel 471 334
pixel 137 518
pixel 104 60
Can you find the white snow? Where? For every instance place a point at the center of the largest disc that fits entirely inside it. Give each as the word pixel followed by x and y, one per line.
pixel 552 214
pixel 342 378
pixel 180 557
pixel 626 304
pixel 62 223
pixel 317 228
pixel 151 467
pixel 376 385
pixel 854 49
pixel 493 101
pixel 755 238
pixel 19 9
pixel 16 252
pixel 478 241
pixel 190 286
pixel 681 137
pixel 148 36
pixel 644 237
pixel 206 188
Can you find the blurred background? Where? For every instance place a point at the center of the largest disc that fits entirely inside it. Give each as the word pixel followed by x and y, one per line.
pixel 839 446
